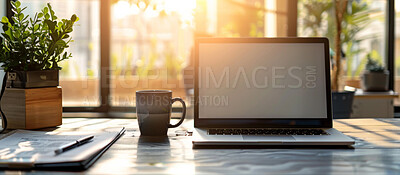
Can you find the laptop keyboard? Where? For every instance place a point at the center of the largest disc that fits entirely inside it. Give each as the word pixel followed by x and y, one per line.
pixel 236 131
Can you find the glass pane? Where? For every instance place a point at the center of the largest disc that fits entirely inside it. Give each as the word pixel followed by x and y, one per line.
pixel 79 76
pixel 397 52
pixel 242 18
pixel 150 46
pixel 152 40
pixel 363 32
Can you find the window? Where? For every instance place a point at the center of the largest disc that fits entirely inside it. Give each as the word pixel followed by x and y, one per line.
pixel 151 41
pixel 397 51
pixel 150 46
pixel 243 18
pixel 363 32
pixel 79 76
pixel 126 45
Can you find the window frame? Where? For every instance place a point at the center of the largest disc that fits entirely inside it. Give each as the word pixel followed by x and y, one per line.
pixel 390 44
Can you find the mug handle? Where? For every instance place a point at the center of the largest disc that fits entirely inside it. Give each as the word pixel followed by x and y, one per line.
pixel 183 112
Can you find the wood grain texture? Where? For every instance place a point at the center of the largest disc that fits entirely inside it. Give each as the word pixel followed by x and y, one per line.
pixel 33 108
pixel 13 106
pixel 377 151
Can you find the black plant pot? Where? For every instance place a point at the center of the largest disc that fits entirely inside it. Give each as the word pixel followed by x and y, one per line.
pixel 33 79
pixel 342 103
pixel 375 81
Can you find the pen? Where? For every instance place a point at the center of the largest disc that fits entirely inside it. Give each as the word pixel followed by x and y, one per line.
pixel 74 144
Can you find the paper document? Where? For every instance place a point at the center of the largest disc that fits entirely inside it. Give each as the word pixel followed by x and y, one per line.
pixel 29 148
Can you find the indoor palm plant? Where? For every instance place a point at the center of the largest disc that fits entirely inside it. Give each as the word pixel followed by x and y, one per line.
pixel 31 49
pixel 29 45
pixel 342 101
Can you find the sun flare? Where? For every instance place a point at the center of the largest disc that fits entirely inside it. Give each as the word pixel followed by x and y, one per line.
pixel 184 8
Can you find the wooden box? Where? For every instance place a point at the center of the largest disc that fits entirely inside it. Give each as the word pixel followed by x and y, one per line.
pixel 32 108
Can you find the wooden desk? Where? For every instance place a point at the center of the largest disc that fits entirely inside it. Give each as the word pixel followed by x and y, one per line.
pixel 377 150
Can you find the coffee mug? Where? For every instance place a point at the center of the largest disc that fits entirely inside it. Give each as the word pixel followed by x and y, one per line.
pixel 153 110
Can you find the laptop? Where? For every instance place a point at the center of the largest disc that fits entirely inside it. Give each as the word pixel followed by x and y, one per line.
pixel 263 91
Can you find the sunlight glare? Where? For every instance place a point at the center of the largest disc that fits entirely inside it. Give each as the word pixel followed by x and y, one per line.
pixel 184 8
pixel 123 9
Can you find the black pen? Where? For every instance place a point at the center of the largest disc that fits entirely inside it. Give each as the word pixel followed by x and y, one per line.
pixel 75 144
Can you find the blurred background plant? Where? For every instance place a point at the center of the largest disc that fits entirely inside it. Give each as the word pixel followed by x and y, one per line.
pixel 318 20
pixel 374 63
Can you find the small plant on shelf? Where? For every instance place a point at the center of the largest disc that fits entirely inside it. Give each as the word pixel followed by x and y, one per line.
pixel 375 77
pixel 373 65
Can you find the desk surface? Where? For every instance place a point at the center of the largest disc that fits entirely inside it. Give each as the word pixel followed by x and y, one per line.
pixel 377 150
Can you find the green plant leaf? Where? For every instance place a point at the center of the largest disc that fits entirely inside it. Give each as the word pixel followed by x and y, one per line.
pixel 17 4
pixel 65 36
pixel 51 24
pixel 4 20
pixel 5 27
pixel 36 27
pixel 34 44
pixel 26 17
pixel 50 8
pixel 23 9
pixel 21 16
pixel 54 36
pixel 45 10
pixel 61 43
pixel 73 18
pixel 6 36
pixel 13 4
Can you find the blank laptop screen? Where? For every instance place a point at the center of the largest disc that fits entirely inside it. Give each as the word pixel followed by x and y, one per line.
pixel 262 80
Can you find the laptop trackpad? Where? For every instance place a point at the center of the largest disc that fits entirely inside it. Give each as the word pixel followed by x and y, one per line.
pixel 266 138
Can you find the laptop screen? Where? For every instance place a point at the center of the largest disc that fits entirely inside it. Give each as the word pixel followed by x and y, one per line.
pixel 262 81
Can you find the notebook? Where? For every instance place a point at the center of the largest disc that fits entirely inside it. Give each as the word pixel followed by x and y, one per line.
pixel 23 149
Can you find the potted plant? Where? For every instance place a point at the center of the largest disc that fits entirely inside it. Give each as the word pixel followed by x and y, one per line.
pixel 30 50
pixel 375 77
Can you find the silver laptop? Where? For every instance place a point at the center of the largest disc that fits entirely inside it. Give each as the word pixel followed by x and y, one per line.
pixel 264 91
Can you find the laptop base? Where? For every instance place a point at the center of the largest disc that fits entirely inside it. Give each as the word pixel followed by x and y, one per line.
pixel 202 138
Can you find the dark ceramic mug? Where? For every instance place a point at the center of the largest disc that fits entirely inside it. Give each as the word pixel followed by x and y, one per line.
pixel 153 110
